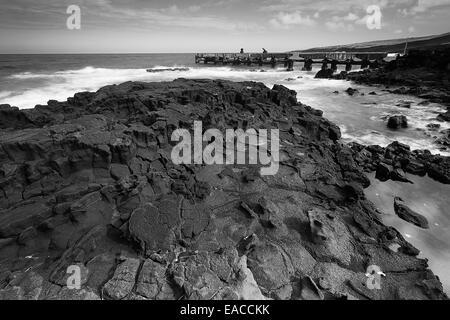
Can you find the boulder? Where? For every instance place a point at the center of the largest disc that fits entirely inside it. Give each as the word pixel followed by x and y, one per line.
pixel 383 172
pixel 123 280
pixel 351 91
pixel 324 74
pixel 433 126
pixel 397 121
pixel 444 116
pixel 405 213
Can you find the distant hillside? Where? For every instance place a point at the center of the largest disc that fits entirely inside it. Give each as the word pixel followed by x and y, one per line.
pixel 392 45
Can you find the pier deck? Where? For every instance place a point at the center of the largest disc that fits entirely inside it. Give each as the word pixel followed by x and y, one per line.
pixel 349 59
pixel 243 58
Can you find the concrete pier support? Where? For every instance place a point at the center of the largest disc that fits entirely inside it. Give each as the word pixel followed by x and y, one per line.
pixel 334 64
pixel 273 62
pixel 290 65
pixel 348 65
pixel 365 63
pixel 308 64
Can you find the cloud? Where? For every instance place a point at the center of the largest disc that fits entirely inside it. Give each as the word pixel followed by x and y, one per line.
pixel 131 14
pixel 342 23
pixel 339 26
pixel 425 5
pixel 287 20
pixel 411 29
pixel 351 17
pixel 335 6
pixel 194 8
pixel 172 9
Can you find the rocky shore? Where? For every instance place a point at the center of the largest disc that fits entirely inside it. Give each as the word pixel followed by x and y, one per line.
pixel 89 182
pixel 421 73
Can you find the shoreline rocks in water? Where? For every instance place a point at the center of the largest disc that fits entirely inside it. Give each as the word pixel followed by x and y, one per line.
pixel 422 73
pixel 405 213
pixel 397 121
pixel 398 159
pixel 156 70
pixel 89 182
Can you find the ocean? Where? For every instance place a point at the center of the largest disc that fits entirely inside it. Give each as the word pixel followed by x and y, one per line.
pixel 28 80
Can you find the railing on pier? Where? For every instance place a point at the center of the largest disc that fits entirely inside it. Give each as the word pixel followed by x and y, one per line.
pixel 341 55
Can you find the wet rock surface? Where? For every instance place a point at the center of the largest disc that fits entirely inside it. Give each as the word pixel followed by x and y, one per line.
pixel 397 161
pixel 89 182
pixel 405 213
pixel 397 122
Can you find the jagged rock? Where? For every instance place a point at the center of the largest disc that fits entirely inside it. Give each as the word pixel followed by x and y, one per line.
pixel 383 172
pixel 444 139
pixel 433 126
pixel 90 182
pixel 316 226
pixel 420 73
pixel 205 276
pixel 404 212
pixel 439 169
pixel 444 116
pixel 119 171
pixel 396 122
pixel 309 290
pixel 351 91
pixel 153 226
pixel 399 175
pixel 324 74
pixel 152 282
pixel 23 286
pixel 123 281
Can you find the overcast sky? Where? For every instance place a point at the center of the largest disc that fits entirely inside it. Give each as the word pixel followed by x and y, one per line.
pixel 118 26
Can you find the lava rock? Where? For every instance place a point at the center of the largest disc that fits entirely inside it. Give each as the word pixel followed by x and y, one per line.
pixel 383 172
pixel 396 122
pixel 351 91
pixel 324 74
pixel 405 213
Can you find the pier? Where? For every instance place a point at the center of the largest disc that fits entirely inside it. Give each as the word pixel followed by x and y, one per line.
pixel 260 59
pixel 308 58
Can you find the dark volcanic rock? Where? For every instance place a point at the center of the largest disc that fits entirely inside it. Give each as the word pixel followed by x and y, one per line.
pixel 398 157
pixel 444 116
pixel 351 91
pixel 398 121
pixel 405 213
pixel 444 138
pixel 421 73
pixel 324 74
pixel 90 183
pixel 383 172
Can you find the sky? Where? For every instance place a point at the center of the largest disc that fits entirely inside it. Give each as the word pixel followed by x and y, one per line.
pixel 140 26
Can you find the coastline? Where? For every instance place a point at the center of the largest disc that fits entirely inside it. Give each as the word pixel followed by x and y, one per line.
pixel 111 147
pixel 421 73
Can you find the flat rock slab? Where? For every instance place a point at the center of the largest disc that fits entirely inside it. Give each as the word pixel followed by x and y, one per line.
pixel 405 213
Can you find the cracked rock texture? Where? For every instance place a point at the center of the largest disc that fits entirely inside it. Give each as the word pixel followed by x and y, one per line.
pixel 89 182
